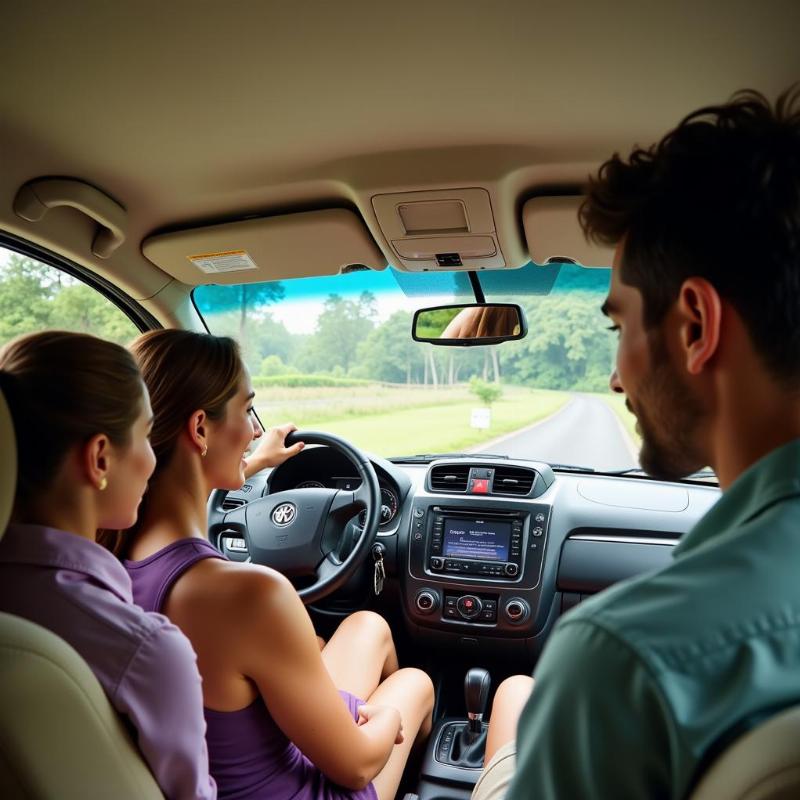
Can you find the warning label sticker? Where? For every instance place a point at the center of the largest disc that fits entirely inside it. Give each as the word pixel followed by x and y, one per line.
pixel 226 261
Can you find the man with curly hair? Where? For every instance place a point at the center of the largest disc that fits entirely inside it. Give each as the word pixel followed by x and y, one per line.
pixel 641 686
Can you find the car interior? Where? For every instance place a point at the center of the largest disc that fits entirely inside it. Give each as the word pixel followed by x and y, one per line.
pixel 150 149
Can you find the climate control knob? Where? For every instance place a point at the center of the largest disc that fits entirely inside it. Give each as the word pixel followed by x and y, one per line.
pixel 469 606
pixel 517 610
pixel 427 601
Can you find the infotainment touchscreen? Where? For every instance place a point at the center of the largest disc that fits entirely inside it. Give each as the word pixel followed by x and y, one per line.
pixel 483 540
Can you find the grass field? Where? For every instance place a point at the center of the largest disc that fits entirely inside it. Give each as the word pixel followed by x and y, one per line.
pixel 399 420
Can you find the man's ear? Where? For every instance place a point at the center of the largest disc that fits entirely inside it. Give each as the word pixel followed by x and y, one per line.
pixel 96 460
pixel 197 428
pixel 700 312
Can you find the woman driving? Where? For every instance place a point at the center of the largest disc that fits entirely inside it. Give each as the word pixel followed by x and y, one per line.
pixel 286 718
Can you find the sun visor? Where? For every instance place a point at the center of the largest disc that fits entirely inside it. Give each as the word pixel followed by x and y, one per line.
pixel 553 232
pixel 300 245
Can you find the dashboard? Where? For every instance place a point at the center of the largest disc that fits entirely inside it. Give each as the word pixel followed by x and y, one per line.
pixel 320 467
pixel 487 553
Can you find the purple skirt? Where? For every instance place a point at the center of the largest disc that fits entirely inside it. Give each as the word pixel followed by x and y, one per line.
pixel 251 759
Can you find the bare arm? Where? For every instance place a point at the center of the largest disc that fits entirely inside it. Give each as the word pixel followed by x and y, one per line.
pixel 464 325
pixel 271 450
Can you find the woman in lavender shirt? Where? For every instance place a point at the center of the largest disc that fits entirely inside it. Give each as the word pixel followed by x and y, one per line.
pixel 286 719
pixel 82 419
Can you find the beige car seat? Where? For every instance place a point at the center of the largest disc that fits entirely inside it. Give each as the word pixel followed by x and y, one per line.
pixel 59 735
pixel 763 764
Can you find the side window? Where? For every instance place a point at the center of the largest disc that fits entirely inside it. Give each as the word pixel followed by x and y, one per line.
pixel 35 297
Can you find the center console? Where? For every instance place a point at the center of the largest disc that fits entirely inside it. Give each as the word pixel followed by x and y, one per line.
pixel 475 568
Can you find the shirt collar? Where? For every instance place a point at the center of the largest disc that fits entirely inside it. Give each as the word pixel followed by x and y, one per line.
pixel 774 477
pixel 49 547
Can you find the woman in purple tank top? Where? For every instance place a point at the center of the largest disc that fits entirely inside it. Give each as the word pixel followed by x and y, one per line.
pixel 286 716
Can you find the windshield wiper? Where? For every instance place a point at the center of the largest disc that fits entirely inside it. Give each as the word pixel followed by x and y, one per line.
pixel 700 475
pixel 425 458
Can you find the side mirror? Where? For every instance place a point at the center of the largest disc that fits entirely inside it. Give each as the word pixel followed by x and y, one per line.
pixel 469 325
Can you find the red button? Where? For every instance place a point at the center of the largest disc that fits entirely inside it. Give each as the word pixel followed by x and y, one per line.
pixel 468 603
pixel 480 486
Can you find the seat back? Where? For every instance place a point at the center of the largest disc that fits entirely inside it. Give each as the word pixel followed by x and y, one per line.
pixel 59 735
pixel 764 764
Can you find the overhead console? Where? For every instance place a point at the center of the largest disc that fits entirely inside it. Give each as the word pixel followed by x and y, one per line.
pixel 443 229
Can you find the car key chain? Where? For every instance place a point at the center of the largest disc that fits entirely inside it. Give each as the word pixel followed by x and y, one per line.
pixel 380 570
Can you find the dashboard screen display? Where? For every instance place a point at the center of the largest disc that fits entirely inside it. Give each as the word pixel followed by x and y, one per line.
pixel 483 540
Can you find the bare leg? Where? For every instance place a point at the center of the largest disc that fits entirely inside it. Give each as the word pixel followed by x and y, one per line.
pixel 509 700
pixel 410 691
pixel 360 654
pixel 321 642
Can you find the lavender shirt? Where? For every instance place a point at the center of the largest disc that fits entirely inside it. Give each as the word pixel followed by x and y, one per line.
pixel 81 592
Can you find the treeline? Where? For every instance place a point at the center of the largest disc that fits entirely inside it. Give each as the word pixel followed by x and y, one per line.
pixel 34 297
pixel 566 347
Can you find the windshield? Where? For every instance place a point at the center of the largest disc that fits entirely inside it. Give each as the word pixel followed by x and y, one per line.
pixel 336 354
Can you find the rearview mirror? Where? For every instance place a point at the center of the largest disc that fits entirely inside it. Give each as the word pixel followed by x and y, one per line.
pixel 469 325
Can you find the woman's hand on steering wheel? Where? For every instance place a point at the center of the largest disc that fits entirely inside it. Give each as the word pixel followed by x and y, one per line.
pixel 272 450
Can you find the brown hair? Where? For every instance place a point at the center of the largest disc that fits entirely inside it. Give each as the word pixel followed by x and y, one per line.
pixel 717 198
pixel 183 371
pixel 497 321
pixel 63 388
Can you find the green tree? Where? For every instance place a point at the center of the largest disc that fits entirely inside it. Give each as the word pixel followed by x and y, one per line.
pixel 272 365
pixel 24 295
pixel 80 308
pixel 243 299
pixel 487 393
pixel 431 324
pixel 341 327
pixel 36 296
pixel 389 353
pixel 264 336
pixel 566 347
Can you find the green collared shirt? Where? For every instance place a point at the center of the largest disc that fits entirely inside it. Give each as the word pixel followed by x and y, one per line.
pixel 637 684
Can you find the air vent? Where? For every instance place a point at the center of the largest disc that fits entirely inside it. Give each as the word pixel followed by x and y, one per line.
pixel 513 481
pixel 450 478
pixel 229 503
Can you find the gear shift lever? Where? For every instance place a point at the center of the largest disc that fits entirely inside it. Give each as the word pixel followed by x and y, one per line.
pixel 463 744
pixel 476 694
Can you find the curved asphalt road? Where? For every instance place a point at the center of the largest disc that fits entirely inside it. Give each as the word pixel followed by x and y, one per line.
pixel 585 432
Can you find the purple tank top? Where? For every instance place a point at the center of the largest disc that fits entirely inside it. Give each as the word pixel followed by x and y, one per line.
pixel 250 757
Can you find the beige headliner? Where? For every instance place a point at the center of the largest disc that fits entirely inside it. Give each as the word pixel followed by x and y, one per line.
pixel 191 111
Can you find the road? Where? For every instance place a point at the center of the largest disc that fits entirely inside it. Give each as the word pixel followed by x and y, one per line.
pixel 584 432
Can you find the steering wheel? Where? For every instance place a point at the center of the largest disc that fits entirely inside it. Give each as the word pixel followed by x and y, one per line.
pixel 298 532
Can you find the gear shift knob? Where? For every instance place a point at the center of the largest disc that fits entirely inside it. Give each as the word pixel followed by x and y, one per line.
pixel 477 684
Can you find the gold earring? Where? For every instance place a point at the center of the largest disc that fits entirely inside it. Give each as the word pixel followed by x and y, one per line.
pixel 103 483
pixel 204 451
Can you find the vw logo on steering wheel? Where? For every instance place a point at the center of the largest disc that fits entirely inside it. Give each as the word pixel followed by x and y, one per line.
pixel 284 514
